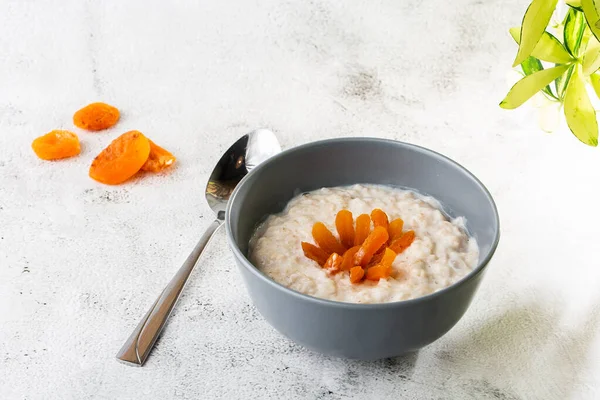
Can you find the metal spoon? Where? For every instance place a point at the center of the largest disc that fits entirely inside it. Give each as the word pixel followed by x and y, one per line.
pixel 245 154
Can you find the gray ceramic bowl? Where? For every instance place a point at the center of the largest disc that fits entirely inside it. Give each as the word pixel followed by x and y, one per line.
pixel 361 331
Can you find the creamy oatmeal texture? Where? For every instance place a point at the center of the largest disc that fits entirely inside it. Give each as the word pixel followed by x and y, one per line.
pixel 441 254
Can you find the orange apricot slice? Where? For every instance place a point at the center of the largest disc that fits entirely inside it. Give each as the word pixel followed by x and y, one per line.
pixel 395 228
pixel 372 243
pixel 379 218
pixel 382 263
pixel 123 157
pixel 356 274
pixel 344 223
pixel 333 263
pixel 56 144
pixel 388 257
pixel 96 117
pixel 403 242
pixel 363 228
pixel 376 259
pixel 315 253
pixel 158 159
pixel 348 261
pixel 378 272
pixel 382 248
pixel 325 239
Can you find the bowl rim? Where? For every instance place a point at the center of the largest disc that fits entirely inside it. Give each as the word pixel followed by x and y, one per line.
pixel 347 305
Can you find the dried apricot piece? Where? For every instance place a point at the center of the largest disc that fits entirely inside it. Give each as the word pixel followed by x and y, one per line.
pixel 382 248
pixel 56 144
pixel 378 272
pixel 376 259
pixel 315 253
pixel 356 274
pixel 325 239
pixel 123 157
pixel 400 244
pixel 344 223
pixel 348 261
pixel 372 243
pixel 158 159
pixel 333 263
pixel 379 218
pixel 395 228
pixel 388 257
pixel 363 228
pixel 96 117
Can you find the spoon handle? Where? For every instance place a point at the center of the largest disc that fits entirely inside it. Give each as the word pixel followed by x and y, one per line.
pixel 136 349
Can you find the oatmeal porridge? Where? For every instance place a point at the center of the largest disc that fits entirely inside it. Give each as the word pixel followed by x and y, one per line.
pixel 419 250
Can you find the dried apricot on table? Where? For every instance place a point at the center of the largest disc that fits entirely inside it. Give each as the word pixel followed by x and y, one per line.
pixel 403 242
pixel 325 239
pixel 356 274
pixel 395 228
pixel 348 261
pixel 344 223
pixel 315 253
pixel 121 159
pixel 379 218
pixel 363 228
pixel 158 159
pixel 96 117
pixel 56 145
pixel 333 263
pixel 372 243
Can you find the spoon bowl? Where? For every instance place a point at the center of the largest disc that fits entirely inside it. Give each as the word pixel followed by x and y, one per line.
pixel 245 154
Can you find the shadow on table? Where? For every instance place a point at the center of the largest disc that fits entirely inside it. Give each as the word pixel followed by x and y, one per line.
pixel 398 370
pixel 401 366
pixel 530 348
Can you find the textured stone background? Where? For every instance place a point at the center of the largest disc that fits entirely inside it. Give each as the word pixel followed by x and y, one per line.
pixel 81 262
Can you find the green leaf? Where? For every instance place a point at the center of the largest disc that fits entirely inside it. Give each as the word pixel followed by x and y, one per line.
pixel 532 65
pixel 591 57
pixel 547 49
pixel 573 33
pixel 530 85
pixel 595 81
pixel 534 24
pixel 561 83
pixel 579 111
pixel 592 16
pixel 587 35
pixel 576 4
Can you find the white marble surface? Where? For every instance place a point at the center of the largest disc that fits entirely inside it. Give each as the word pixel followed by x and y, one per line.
pixel 81 262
